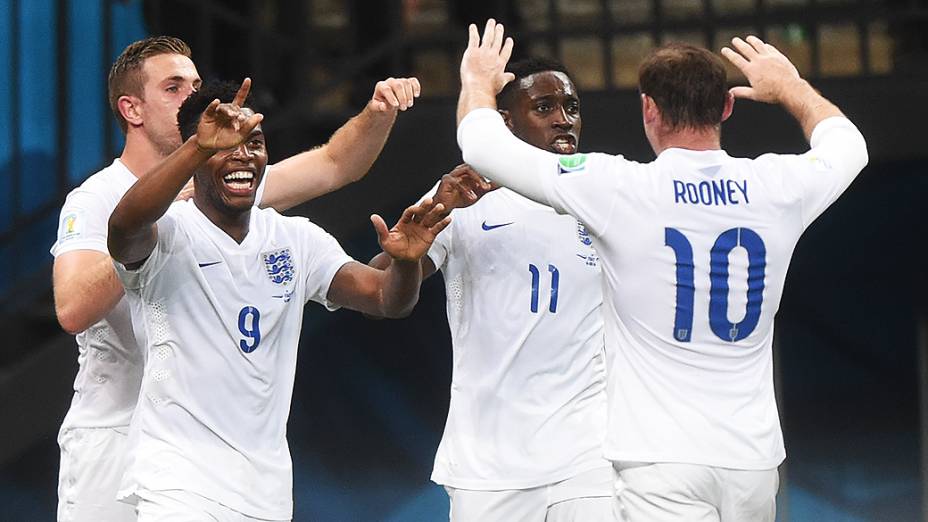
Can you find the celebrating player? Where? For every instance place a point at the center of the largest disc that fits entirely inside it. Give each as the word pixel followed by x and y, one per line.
pixel 147 83
pixel 217 290
pixel 694 248
pixel 523 439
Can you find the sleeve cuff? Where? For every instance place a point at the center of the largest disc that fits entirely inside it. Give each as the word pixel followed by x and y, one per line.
pixel 834 122
pixel 476 117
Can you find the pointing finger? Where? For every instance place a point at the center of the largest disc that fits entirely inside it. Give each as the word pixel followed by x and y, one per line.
pixel 242 93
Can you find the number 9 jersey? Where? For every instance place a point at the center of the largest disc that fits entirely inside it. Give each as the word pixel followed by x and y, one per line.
pixel 221 323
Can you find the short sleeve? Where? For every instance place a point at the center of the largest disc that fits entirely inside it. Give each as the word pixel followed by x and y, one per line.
pixel 441 247
pixel 259 192
pixel 169 238
pixel 82 224
pixel 325 259
pixel 587 187
pixel 821 175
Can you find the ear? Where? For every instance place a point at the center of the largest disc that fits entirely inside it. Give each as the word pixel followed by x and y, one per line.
pixel 729 105
pixel 130 108
pixel 507 117
pixel 649 110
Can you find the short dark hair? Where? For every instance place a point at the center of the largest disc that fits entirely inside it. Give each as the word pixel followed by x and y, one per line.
pixel 689 85
pixel 188 116
pixel 522 69
pixel 126 76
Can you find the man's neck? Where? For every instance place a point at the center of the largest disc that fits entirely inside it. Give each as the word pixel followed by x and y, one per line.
pixel 690 139
pixel 235 225
pixel 140 155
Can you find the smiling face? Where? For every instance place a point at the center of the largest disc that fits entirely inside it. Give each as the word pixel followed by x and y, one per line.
pixel 546 112
pixel 169 79
pixel 228 181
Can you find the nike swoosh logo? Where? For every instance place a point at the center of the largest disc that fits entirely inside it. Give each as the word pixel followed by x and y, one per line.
pixel 202 265
pixel 491 227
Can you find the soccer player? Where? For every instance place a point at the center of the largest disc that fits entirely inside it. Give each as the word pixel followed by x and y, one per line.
pixel 217 290
pixel 523 438
pixel 147 83
pixel 694 249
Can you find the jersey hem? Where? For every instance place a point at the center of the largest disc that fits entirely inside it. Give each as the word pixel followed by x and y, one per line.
pixel 501 485
pixel 132 494
pixel 727 464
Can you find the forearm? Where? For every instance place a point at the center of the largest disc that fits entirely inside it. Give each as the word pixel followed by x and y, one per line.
pixel 809 107
pixel 345 158
pixel 492 150
pixel 472 99
pixel 85 297
pixel 131 232
pixel 400 290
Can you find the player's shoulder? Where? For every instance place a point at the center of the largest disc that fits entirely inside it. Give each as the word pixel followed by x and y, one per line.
pixel 110 182
pixel 272 221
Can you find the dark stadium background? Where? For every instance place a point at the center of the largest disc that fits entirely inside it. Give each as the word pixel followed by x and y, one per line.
pixel 371 396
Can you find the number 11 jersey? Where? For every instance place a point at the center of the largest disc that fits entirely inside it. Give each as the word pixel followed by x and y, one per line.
pixel 528 382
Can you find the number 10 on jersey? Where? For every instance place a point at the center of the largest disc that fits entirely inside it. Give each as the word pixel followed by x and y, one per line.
pixel 718 279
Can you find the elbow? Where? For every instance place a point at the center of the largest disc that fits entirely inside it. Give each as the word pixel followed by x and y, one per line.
pixel 399 311
pixel 70 319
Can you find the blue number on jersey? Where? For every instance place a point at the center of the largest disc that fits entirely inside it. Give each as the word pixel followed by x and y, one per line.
pixel 555 281
pixel 253 333
pixel 686 289
pixel 718 278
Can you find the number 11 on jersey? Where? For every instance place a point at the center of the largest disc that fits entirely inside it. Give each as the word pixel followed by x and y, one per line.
pixel 536 278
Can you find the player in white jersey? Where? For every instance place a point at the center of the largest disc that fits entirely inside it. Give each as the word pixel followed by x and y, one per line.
pixel 217 291
pixel 148 82
pixel 694 248
pixel 523 438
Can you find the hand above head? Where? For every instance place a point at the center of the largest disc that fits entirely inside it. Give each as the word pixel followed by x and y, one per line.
pixel 484 63
pixel 771 75
pixel 413 234
pixel 226 125
pixel 462 187
pixel 395 93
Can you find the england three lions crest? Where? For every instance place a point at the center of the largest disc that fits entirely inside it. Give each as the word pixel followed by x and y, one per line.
pixel 279 266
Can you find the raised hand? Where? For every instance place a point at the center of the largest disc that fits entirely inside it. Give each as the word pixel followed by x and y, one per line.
pixel 769 72
pixel 395 93
pixel 226 125
pixel 414 233
pixel 462 187
pixel 484 63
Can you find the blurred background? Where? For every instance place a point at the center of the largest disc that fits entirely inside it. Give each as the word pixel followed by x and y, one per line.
pixel 371 396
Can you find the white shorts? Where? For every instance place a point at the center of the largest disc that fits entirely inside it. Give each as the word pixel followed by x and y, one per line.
pixel 669 492
pixel 586 497
pixel 92 462
pixel 183 506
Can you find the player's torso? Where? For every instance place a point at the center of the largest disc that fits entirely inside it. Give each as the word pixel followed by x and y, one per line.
pixel 528 385
pixel 696 257
pixel 223 319
pixel 523 279
pixel 110 359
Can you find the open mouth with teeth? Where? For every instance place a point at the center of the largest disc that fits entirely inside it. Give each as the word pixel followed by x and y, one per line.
pixel 239 182
pixel 564 144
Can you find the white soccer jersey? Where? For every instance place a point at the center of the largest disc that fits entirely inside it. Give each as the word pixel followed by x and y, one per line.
pixel 695 247
pixel 110 362
pixel 528 404
pixel 222 322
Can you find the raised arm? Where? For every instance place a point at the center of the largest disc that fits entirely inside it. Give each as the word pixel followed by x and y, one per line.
pixel 132 230
pixel 349 153
pixel 394 290
pixel 774 79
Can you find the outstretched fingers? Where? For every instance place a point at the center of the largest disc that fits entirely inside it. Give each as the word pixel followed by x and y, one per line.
pixel 441 225
pixel 380 226
pixel 242 93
